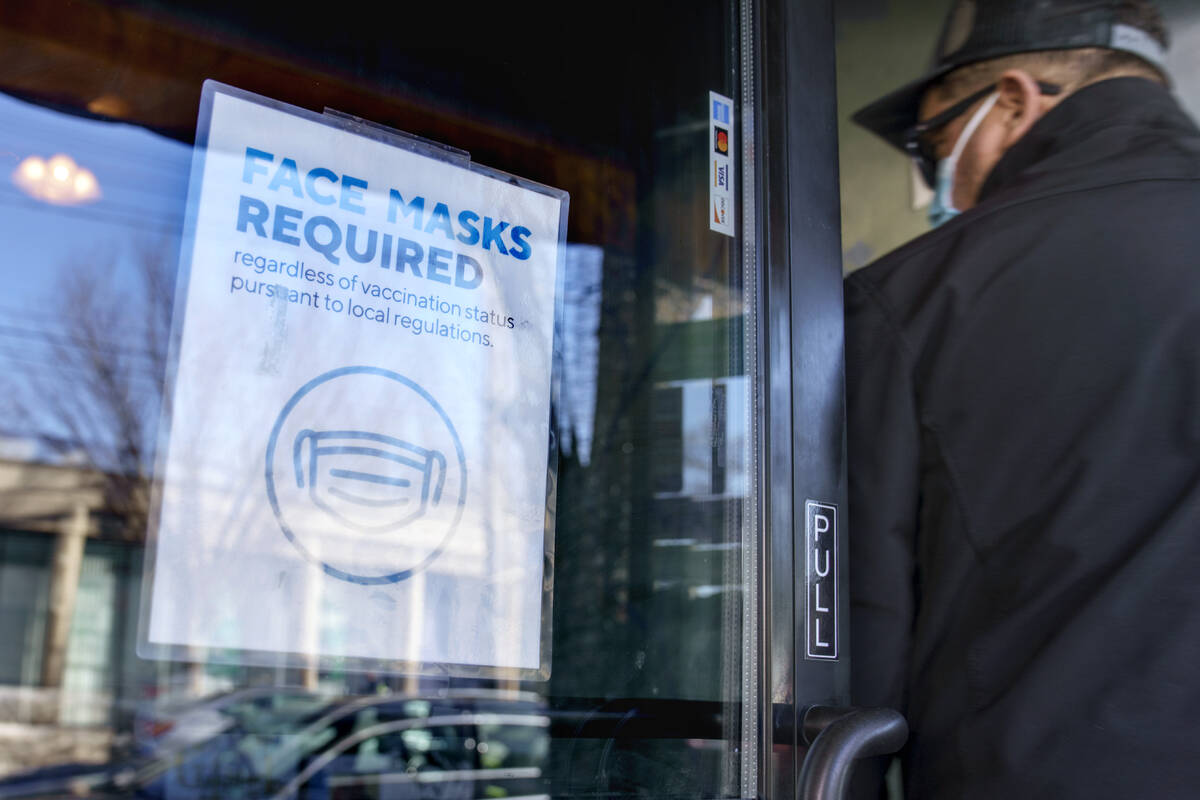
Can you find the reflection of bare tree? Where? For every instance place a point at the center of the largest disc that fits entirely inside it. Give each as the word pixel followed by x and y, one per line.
pixel 96 394
pixel 85 386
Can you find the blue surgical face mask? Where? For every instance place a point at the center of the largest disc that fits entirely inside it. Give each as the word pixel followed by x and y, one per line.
pixel 942 209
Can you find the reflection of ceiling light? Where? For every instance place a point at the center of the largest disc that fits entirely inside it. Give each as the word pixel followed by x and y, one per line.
pixel 109 105
pixel 60 180
pixel 33 169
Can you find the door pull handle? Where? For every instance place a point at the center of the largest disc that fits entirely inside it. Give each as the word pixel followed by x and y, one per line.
pixel 838 737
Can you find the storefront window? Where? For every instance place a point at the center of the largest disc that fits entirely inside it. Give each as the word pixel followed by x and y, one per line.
pixel 647 667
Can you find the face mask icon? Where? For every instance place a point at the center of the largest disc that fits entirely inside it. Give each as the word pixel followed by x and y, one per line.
pixel 367 481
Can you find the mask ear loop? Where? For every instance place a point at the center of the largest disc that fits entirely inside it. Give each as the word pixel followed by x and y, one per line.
pixel 973 126
pixel 942 209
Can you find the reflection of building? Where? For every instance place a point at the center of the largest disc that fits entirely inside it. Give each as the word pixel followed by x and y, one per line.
pixel 68 594
pixel 579 338
pixel 698 481
pixel 699 412
pixel 701 423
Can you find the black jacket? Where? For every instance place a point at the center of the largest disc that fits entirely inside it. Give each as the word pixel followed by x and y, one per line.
pixel 1024 428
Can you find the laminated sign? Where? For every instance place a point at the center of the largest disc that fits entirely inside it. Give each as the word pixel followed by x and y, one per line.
pixel 356 460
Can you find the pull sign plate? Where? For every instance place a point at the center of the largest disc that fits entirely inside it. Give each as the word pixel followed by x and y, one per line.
pixel 821 580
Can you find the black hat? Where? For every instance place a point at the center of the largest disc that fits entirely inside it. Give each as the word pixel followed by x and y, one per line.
pixel 977 30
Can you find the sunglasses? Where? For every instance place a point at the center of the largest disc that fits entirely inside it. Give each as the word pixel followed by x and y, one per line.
pixel 919 144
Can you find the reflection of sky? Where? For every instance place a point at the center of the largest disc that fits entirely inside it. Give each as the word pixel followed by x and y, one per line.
pixel 143 183
pixel 143 178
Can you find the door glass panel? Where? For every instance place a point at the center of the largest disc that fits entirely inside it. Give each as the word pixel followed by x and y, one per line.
pixel 98 109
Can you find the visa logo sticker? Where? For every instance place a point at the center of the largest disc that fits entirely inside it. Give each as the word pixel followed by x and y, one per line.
pixel 720 175
pixel 721 146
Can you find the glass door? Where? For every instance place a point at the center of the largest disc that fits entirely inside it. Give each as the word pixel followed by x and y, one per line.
pixel 670 652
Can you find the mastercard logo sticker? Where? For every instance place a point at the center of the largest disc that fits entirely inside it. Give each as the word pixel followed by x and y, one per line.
pixel 721 138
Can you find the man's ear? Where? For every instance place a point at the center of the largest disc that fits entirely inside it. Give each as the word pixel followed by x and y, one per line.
pixel 1021 101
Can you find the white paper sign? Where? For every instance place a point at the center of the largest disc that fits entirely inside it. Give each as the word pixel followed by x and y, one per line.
pixel 357 459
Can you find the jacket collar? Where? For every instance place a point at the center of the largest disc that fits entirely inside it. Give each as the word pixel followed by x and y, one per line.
pixel 1088 130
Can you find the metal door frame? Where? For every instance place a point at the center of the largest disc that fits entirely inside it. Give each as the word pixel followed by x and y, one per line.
pixel 792 254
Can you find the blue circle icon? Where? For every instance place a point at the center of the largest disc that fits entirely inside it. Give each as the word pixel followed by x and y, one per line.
pixel 366 474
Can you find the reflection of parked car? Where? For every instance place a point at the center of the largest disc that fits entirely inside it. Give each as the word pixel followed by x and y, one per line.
pixel 448 753
pixel 162 728
pixel 61 780
pixel 465 744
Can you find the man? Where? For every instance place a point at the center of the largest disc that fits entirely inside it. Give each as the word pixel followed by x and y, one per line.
pixel 1023 391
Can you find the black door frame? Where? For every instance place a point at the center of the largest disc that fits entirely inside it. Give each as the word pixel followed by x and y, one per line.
pixel 800 387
